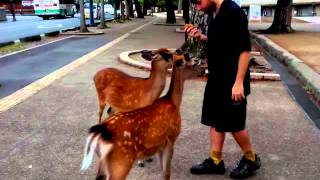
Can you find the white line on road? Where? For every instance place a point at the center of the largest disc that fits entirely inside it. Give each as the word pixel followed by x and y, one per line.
pixel 24 93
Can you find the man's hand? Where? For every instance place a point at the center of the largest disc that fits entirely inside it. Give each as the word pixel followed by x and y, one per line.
pixel 238 92
pixel 237 89
pixel 195 33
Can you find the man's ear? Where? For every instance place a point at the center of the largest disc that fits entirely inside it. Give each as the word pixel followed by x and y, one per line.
pixel 178 63
pixel 166 55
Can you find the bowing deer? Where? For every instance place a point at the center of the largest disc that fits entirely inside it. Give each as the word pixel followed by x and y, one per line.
pixel 124 92
pixel 127 136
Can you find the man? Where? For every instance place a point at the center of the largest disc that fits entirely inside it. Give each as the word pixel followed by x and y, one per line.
pixel 225 98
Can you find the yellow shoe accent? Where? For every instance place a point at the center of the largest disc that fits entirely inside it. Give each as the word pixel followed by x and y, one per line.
pixel 251 155
pixel 216 157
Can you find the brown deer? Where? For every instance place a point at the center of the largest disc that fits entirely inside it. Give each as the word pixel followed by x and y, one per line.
pixel 127 136
pixel 124 92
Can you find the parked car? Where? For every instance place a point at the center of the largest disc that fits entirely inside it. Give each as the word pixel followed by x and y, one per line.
pixel 110 10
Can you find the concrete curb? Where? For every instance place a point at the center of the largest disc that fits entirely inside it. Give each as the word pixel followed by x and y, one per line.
pixel 167 24
pixel 80 33
pixel 179 30
pixel 309 78
pixel 124 58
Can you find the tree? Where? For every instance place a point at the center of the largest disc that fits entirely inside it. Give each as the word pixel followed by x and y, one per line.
pixel 122 10
pixel 129 9
pixel 282 18
pixel 171 17
pixel 185 8
pixel 115 8
pixel 145 7
pixel 179 6
pixel 102 18
pixel 138 9
pixel 83 26
pixel 12 6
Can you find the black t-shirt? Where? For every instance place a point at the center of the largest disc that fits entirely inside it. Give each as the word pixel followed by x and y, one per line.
pixel 228 37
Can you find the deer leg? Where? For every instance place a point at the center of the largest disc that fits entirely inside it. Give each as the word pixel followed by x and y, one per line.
pixel 100 173
pixel 160 154
pixel 119 168
pixel 149 159
pixel 102 105
pixel 141 163
pixel 166 161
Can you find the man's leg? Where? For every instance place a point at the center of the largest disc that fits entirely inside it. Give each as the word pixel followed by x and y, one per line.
pixel 250 162
pixel 217 142
pixel 214 164
pixel 243 140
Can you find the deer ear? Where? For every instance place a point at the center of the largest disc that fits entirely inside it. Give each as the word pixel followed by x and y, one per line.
pixel 178 63
pixel 166 55
pixel 179 51
pixel 146 54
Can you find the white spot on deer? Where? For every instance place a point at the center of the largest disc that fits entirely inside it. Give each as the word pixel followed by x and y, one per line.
pixel 127 134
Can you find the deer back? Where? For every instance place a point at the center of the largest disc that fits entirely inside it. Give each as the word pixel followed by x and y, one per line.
pixel 145 130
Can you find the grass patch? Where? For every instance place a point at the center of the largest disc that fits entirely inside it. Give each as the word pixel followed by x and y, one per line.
pixel 12 48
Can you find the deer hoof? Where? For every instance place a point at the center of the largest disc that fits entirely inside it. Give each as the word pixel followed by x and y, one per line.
pixel 149 160
pixel 141 164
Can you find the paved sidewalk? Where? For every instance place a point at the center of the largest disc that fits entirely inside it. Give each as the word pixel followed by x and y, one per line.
pixel 304 45
pixel 43 137
pixel 307 27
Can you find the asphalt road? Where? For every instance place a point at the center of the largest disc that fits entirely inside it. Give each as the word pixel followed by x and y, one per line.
pixel 19 70
pixel 27 26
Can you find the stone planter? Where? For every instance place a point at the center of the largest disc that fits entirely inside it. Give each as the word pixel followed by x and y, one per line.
pixel 133 58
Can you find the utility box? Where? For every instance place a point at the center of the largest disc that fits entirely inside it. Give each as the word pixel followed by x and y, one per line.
pixel 3 16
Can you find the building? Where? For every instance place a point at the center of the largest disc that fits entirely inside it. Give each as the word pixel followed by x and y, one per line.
pixel 22 7
pixel 301 8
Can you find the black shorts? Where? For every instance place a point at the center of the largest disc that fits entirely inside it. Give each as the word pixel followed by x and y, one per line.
pixel 220 112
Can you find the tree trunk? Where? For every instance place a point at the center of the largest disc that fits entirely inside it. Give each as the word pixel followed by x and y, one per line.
pixel 12 8
pixel 122 10
pixel 127 9
pixel 282 18
pixel 102 19
pixel 138 9
pixel 83 26
pixel 179 6
pixel 186 11
pixel 115 15
pixel 145 7
pixel 131 8
pixel 171 17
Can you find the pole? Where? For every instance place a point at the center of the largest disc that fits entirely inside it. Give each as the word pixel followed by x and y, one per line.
pixel 91 20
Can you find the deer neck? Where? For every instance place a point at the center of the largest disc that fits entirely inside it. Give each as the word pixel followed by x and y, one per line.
pixel 176 87
pixel 157 80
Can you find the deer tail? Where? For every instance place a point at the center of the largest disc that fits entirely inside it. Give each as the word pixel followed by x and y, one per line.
pixel 98 141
